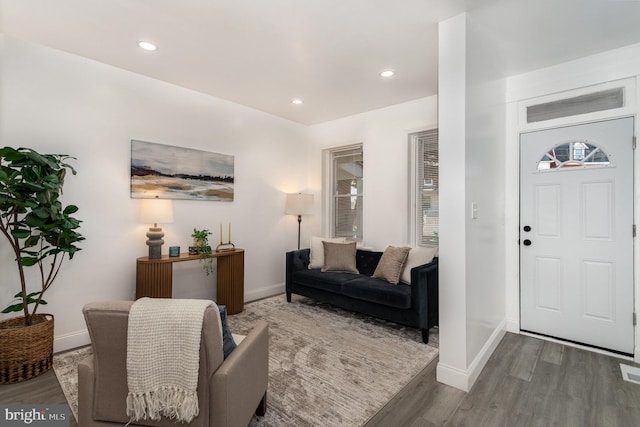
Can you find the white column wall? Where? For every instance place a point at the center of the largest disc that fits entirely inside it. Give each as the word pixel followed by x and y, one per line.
pixel 485 123
pixel 472 125
pixel 452 267
pixel 60 103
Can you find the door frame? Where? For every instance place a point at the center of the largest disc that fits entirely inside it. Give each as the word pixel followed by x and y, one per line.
pixel 514 128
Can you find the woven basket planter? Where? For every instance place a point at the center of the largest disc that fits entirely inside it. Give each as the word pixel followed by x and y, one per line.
pixel 26 351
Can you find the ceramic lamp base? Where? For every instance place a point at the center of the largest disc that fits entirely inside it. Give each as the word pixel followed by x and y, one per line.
pixel 155 242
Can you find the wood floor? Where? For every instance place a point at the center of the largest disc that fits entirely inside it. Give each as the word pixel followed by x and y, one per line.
pixel 527 382
pixel 43 389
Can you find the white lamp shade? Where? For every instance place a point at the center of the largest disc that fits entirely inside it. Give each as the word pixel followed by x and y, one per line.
pixel 299 204
pixel 156 211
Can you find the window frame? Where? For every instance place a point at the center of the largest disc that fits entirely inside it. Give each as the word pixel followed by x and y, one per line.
pixel 329 196
pixel 416 209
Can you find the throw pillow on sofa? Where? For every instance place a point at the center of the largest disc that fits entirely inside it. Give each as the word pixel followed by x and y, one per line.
pixel 340 257
pixel 228 343
pixel 418 255
pixel 390 265
pixel 316 252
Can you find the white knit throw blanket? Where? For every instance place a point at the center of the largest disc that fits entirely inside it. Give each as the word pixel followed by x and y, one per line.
pixel 163 345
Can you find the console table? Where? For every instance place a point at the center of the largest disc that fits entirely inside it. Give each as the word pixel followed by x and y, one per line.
pixel 154 277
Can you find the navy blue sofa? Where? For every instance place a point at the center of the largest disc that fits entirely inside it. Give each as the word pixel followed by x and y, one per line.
pixel 414 305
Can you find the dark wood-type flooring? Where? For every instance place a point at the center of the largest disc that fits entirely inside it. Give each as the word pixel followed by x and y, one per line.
pixel 527 382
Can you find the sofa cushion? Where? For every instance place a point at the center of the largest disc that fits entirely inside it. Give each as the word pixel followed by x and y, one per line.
pixel 378 291
pixel 316 250
pixel 330 281
pixel 391 264
pixel 339 257
pixel 418 255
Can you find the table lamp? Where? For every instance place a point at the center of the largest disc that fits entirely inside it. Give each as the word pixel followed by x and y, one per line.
pixel 154 211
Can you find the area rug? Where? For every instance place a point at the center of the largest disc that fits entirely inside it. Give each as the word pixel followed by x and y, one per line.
pixel 327 366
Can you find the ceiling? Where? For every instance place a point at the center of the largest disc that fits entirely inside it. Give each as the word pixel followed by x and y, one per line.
pixel 329 53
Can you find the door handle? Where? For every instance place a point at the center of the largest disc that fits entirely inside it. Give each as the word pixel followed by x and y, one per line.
pixel 527 228
pixel 527 242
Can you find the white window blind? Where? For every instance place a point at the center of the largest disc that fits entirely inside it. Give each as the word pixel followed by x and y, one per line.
pixel 427 200
pixel 347 166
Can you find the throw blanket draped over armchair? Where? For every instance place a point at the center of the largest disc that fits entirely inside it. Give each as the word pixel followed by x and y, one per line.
pixel 163 342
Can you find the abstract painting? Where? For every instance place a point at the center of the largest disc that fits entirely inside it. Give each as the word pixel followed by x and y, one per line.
pixel 171 172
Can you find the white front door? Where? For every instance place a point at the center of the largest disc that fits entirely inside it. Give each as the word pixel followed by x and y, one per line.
pixel 576 233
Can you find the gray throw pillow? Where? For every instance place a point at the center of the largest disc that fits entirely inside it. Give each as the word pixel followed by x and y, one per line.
pixel 390 266
pixel 339 257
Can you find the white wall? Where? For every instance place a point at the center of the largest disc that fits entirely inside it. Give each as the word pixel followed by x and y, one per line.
pixel 60 103
pixel 472 128
pixel 384 134
pixel 620 65
pixel 485 135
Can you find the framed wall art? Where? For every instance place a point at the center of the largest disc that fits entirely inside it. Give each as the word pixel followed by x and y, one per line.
pixel 171 172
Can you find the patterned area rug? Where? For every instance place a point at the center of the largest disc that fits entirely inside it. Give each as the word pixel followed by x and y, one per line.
pixel 327 366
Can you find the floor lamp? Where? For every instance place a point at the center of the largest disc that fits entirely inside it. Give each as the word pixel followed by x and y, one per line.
pixel 299 204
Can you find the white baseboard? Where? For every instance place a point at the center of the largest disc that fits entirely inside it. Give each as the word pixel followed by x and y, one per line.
pixel 464 379
pixel 452 376
pixel 513 325
pixel 71 340
pixel 264 292
pixel 485 353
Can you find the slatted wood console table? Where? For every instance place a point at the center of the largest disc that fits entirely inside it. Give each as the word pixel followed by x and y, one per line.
pixel 154 277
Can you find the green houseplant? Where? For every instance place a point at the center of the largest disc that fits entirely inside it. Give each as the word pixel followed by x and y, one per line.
pixel 42 234
pixel 201 247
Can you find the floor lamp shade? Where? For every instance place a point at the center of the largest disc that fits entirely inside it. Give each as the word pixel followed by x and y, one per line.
pixel 156 211
pixel 299 204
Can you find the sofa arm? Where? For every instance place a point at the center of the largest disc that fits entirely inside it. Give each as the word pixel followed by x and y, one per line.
pixel 240 383
pixel 296 260
pixel 424 293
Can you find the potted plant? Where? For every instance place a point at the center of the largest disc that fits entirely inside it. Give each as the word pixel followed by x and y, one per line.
pixel 201 247
pixel 42 234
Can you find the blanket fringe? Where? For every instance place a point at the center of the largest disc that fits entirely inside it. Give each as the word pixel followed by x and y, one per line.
pixel 170 402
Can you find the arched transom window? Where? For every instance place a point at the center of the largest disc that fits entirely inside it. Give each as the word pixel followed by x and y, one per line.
pixel 574 155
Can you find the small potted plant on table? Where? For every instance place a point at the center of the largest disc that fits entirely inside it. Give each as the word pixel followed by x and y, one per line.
pixel 201 247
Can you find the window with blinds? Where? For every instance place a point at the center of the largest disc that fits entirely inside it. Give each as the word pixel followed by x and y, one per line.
pixel 427 217
pixel 346 172
pixel 583 104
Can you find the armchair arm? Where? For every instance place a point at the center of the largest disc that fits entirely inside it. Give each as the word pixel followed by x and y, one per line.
pixel 424 293
pixel 86 389
pixel 241 381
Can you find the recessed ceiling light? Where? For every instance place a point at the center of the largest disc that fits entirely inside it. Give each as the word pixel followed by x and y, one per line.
pixel 387 73
pixel 147 45
pixel 297 101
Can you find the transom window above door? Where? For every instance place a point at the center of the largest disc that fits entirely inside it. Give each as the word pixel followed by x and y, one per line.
pixel 573 155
